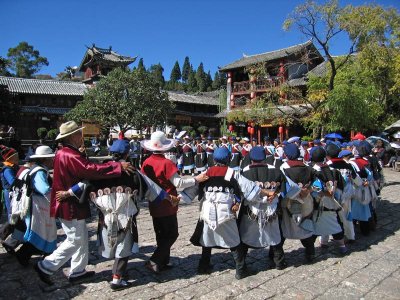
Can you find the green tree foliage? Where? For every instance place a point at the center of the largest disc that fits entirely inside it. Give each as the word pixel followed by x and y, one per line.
pixel 157 72
pixel 176 73
pixel 4 63
pixel 41 132
pixel 192 83
pixel 141 66
pixel 128 99
pixel 186 69
pixel 24 60
pixel 201 78
pixel 209 81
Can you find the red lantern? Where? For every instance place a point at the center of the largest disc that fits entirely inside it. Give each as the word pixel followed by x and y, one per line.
pixel 251 130
pixel 280 129
pixel 248 130
pixel 230 128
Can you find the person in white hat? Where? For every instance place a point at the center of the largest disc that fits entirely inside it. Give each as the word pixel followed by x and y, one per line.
pixel 71 167
pixel 165 173
pixel 41 232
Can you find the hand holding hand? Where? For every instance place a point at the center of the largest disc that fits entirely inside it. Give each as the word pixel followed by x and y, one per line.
pixel 174 200
pixel 235 207
pixel 62 195
pixel 127 167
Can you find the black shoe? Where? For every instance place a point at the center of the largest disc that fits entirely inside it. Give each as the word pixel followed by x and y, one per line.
pixel 22 261
pixel 167 267
pixel 310 258
pixel 120 286
pixel 9 249
pixel 42 275
pixel 85 275
pixel 283 265
pixel 242 274
pixel 152 266
pixel 204 270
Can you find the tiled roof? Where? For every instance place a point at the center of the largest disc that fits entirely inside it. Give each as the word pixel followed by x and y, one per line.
pixel 45 110
pixel 201 98
pixel 43 87
pixel 269 56
pixel 320 70
pixel 279 111
pixel 101 54
pixel 194 114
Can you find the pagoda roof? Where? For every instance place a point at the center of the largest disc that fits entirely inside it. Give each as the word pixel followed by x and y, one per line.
pixel 43 87
pixel 105 55
pixel 278 110
pixel 247 60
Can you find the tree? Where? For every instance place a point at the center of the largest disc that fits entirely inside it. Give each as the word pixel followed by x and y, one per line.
pixel 186 69
pixel 209 81
pixel 157 72
pixel 373 34
pixel 192 83
pixel 141 66
pixel 128 99
pixel 201 78
pixel 4 63
pixel 24 61
pixel 175 73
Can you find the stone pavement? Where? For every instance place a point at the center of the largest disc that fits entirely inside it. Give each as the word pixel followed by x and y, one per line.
pixel 370 271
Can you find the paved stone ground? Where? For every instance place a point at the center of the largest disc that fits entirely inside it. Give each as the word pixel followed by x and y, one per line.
pixel 370 271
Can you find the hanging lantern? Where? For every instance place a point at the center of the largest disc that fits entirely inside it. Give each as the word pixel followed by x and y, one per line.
pixel 252 130
pixel 230 128
pixel 232 97
pixel 248 130
pixel 280 129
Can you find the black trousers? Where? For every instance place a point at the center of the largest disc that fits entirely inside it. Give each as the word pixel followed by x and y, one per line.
pixel 120 265
pixel 26 251
pixel 166 230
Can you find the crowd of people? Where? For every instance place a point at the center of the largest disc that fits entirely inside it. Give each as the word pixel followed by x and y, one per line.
pixel 251 196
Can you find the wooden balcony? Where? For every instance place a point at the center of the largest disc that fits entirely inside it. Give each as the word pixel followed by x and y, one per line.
pixel 260 85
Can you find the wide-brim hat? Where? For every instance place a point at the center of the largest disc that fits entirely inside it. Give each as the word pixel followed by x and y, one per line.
pixel 67 129
pixel 158 142
pixel 43 152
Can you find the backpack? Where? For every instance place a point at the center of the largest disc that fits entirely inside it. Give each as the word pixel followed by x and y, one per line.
pixel 20 194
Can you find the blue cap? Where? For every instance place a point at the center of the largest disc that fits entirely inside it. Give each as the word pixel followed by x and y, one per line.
pixel 294 139
pixel 317 142
pixel 304 143
pixel 344 145
pixel 221 155
pixel 209 138
pixel 257 153
pixel 317 154
pixel 291 151
pixel 364 148
pixel 344 153
pixel 120 146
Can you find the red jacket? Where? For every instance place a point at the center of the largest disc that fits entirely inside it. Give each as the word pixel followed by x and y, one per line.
pixel 71 167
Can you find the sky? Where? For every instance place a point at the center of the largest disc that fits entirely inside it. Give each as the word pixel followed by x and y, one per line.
pixel 215 32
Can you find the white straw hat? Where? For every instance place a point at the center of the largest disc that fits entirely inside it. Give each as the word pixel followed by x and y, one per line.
pixel 158 142
pixel 43 152
pixel 67 129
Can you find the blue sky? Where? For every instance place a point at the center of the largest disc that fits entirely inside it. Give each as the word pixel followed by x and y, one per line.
pixel 215 32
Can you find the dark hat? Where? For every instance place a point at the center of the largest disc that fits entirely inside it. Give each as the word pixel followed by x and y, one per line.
pixel 267 138
pixel 332 150
pixel 277 140
pixel 304 143
pixel 210 138
pixel 233 138
pixel 6 153
pixel 221 155
pixel 120 146
pixel 364 148
pixel 318 154
pixel 257 153
pixel 291 151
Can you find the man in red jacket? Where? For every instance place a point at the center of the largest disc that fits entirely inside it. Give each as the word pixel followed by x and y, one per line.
pixel 164 173
pixel 71 167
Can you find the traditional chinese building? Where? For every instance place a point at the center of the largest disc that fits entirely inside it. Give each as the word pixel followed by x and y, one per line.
pixel 98 62
pixel 252 76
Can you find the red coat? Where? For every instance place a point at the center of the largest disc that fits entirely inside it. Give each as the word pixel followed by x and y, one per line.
pixel 71 167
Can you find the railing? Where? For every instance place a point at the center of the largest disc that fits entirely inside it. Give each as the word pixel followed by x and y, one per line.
pixel 244 87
